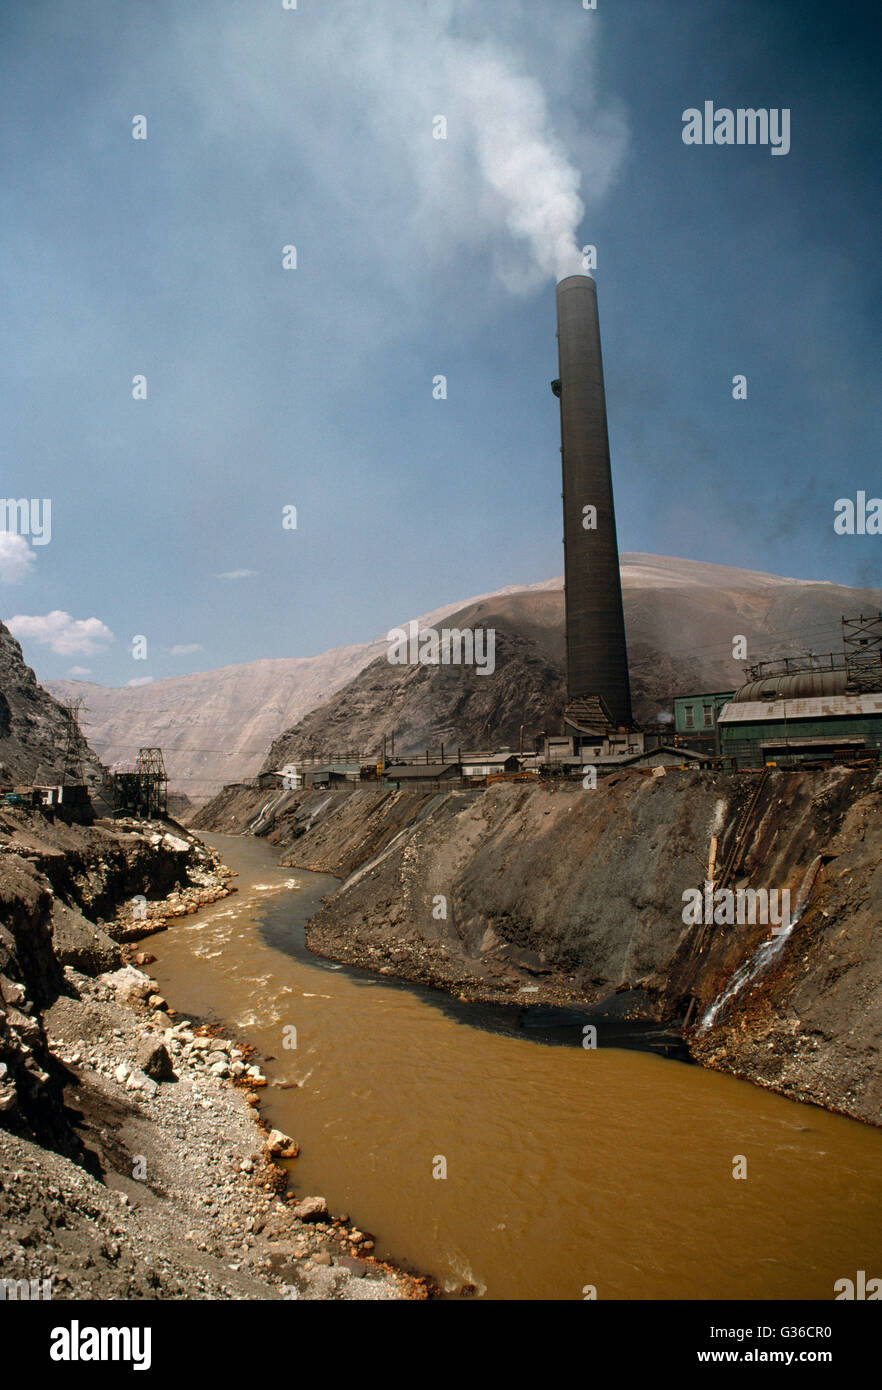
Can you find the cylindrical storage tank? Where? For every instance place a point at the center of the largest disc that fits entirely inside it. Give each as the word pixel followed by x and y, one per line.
pixel 597 658
pixel 800 685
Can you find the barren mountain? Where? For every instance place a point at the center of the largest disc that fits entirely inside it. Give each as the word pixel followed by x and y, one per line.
pixel 455 705
pixel 681 616
pixel 213 726
pixel 216 726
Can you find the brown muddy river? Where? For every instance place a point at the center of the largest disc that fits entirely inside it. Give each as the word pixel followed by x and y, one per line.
pixel 565 1167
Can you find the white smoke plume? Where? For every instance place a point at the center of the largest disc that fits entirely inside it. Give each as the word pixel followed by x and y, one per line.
pixel 502 179
pixel 521 160
pixel 503 183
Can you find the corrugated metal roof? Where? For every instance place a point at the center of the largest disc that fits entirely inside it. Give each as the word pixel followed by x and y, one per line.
pixel 818 741
pixel 797 685
pixel 486 759
pixel 432 771
pixel 815 707
pixel 708 695
pixel 684 755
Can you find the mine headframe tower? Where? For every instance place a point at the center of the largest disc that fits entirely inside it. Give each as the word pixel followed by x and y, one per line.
pixel 862 644
pixel 144 791
pixel 73 768
pixel 154 781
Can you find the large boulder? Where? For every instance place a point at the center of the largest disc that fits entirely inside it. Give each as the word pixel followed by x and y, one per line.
pixel 154 1061
pixel 311 1209
pixel 128 984
pixel 80 944
pixel 280 1145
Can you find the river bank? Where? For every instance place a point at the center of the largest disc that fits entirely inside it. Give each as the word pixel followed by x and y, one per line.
pixel 502 1168
pixel 556 895
pixel 133 1163
pixel 507 1169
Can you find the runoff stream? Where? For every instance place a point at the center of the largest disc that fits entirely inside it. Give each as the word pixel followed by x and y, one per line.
pixel 565 1166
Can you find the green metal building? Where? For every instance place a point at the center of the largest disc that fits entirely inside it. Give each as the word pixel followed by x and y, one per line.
pixel 784 733
pixel 696 718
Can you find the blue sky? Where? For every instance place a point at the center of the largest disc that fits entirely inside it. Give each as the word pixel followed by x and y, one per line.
pixel 312 387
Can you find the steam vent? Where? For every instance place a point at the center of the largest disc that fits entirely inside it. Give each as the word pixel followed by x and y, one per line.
pixel 598 688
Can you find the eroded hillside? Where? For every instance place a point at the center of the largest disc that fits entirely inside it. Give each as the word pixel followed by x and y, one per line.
pixel 553 893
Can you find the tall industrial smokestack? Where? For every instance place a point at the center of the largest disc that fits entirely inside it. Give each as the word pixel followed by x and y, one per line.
pixel 597 657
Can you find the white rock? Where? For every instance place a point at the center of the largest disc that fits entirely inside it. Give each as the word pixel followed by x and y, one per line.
pixel 127 983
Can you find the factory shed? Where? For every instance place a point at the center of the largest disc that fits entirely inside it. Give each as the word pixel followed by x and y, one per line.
pixel 341 773
pixel 489 764
pixel 293 776
pixel 68 801
pixel 665 755
pixel 270 780
pixel 415 774
pixel 757 733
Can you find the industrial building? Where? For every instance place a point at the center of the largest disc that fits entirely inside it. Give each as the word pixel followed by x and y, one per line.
pixel 800 710
pixel 143 790
pixel 490 764
pixel 312 772
pixel 696 720
pixel 400 775
pixel 795 710
pixel 68 801
pixel 785 732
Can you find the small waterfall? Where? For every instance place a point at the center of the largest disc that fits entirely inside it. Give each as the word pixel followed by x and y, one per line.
pixel 318 810
pixel 765 953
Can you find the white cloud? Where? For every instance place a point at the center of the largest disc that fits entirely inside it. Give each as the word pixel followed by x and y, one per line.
pixel 185 648
pixel 80 671
pixel 16 558
pixel 236 574
pixel 62 633
pixel 139 680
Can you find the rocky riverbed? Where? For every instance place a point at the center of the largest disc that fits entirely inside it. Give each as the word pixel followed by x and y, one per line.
pixel 133 1162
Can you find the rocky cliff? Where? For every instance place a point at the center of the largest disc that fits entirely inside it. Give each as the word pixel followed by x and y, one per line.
pixel 33 725
pixel 61 888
